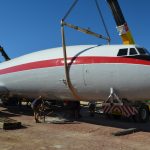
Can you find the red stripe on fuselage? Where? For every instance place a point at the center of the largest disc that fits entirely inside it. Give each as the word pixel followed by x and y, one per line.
pixel 72 61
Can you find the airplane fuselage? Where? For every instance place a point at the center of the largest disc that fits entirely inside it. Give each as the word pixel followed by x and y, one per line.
pixel 93 70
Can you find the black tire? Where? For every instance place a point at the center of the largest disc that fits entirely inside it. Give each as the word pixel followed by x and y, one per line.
pixel 135 118
pixel 143 115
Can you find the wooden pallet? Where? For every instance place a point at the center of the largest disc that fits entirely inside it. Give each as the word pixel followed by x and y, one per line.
pixel 8 124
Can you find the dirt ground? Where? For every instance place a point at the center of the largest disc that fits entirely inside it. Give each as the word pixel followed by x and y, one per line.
pixel 86 134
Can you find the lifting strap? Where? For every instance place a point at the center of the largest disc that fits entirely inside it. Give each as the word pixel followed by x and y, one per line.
pixel 87 31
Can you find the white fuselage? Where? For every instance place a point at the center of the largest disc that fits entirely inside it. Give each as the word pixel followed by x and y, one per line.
pixel 93 71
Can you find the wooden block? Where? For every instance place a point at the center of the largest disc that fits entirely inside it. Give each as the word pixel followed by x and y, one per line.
pixel 7 124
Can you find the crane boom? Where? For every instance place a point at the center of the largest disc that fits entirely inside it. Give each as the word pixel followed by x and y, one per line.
pixel 4 54
pixel 122 26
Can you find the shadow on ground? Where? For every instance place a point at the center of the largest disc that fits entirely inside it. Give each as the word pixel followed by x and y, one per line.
pixel 98 119
pixel 12 111
pixel 122 123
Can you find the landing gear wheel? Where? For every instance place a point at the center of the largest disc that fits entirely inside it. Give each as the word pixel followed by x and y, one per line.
pixel 143 115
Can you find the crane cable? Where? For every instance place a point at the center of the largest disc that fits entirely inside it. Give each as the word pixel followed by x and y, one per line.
pixel 103 21
pixel 70 9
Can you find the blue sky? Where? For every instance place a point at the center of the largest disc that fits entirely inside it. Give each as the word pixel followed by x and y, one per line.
pixel 31 25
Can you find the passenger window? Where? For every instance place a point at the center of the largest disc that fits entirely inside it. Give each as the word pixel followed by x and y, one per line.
pixel 123 52
pixel 133 51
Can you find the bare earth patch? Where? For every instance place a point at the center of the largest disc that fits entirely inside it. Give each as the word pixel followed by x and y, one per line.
pixel 86 134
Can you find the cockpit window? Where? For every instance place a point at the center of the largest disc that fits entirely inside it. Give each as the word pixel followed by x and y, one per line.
pixel 123 52
pixel 143 51
pixel 133 51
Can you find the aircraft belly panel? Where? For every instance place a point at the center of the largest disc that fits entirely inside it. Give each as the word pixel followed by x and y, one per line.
pixel 133 80
pixel 48 82
pixel 98 80
pixel 91 81
pixel 126 79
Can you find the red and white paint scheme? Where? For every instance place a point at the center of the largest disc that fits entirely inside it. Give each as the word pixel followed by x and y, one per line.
pixel 93 70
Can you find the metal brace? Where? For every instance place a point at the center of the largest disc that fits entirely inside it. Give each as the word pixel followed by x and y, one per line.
pixel 113 98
